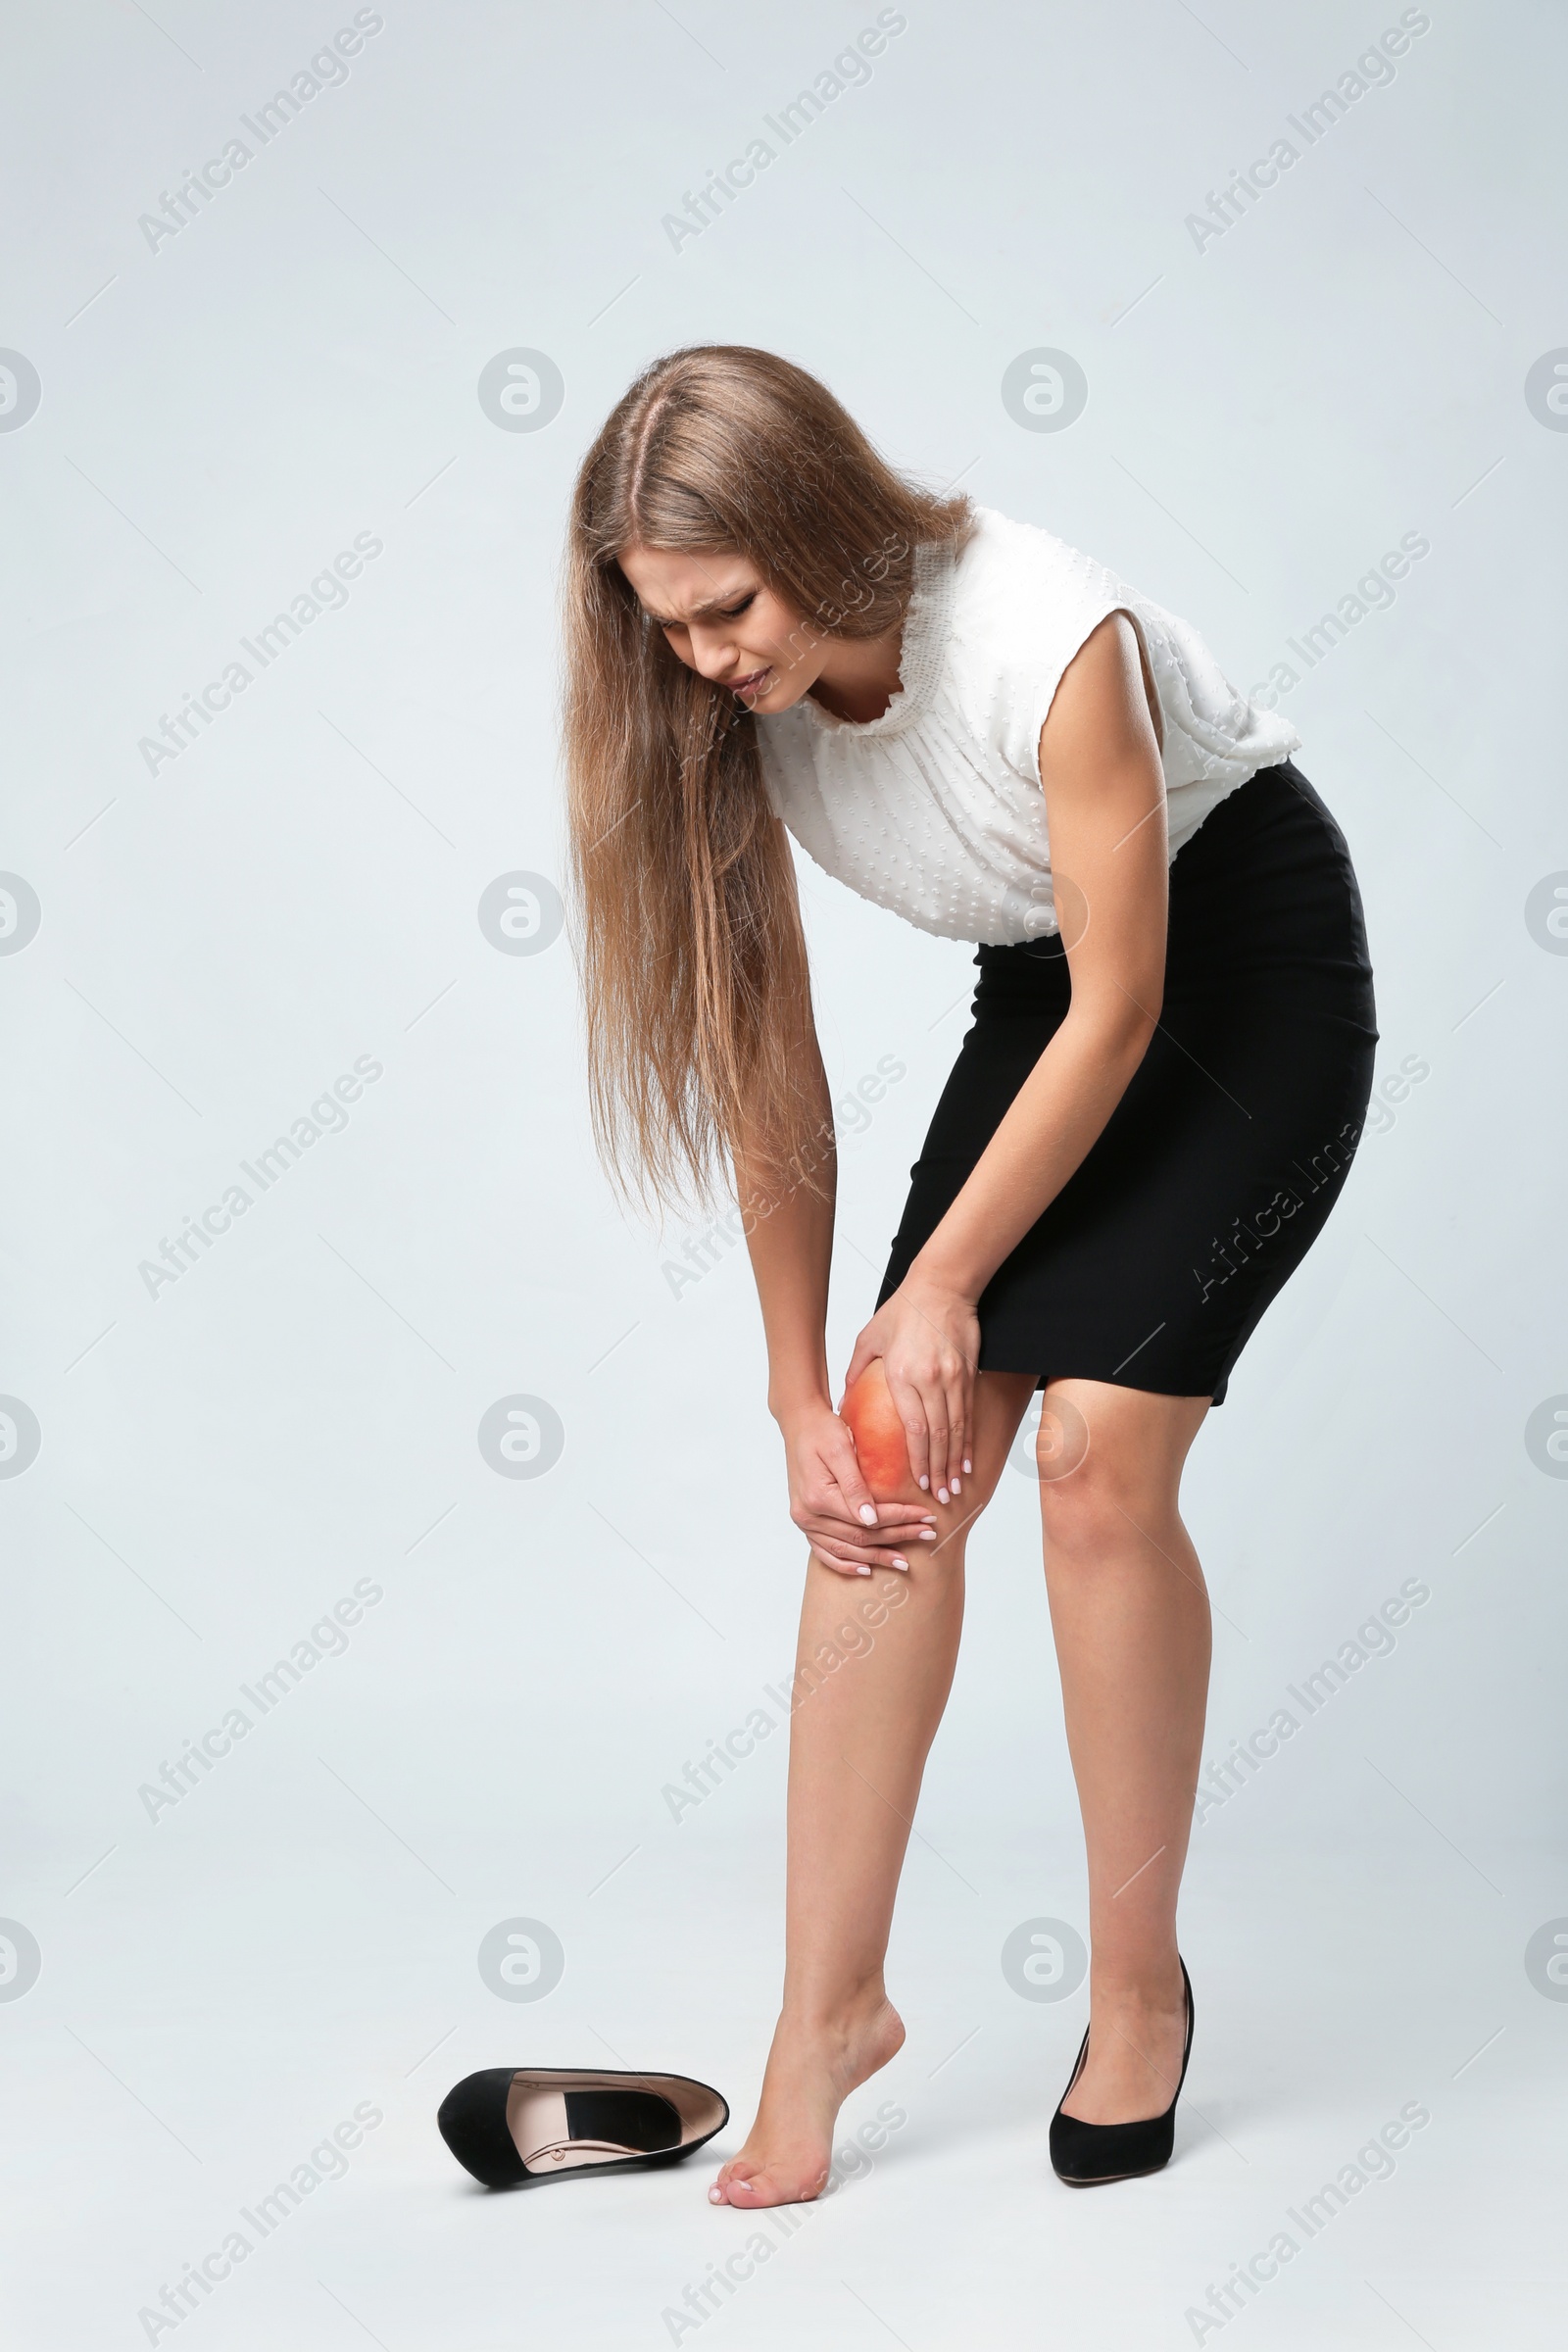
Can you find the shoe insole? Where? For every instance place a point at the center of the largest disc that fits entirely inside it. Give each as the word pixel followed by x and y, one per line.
pixel 555 2129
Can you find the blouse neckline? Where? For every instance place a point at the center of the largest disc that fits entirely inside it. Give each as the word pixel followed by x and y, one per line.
pixel 927 620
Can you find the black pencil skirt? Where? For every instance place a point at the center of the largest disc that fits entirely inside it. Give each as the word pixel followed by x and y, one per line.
pixel 1220 1163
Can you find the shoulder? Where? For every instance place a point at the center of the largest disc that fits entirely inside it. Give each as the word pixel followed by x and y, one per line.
pixel 1024 603
pixel 1024 600
pixel 1104 711
pixel 1006 566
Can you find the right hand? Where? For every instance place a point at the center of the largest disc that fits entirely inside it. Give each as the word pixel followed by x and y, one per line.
pixel 830 1499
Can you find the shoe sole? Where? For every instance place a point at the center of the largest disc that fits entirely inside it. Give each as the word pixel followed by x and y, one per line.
pixel 1145 2172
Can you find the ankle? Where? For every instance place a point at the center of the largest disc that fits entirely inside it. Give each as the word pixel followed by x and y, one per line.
pixel 822 2014
pixel 1148 1986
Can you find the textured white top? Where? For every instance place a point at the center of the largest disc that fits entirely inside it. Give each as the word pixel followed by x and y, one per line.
pixel 935 810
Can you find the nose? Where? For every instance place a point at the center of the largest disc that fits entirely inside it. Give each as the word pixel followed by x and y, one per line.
pixel 711 654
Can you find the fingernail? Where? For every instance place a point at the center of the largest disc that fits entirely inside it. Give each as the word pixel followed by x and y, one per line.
pixel 956 1486
pixel 869 1513
pixel 942 1494
pixel 897 1563
pixel 716 2196
pixel 968 1464
pixel 928 1535
pixel 862 1569
pixel 924 1483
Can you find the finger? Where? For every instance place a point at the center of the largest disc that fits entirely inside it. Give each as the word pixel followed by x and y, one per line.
pixel 865 1353
pixel 898 1521
pixel 854 1561
pixel 847 1539
pixel 909 1406
pixel 825 1508
pixel 842 1458
pixel 859 1500
pixel 839 1567
pixel 857 1545
pixel 936 1410
pixel 958 1433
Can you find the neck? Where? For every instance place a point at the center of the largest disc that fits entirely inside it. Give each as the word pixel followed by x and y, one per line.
pixel 859 677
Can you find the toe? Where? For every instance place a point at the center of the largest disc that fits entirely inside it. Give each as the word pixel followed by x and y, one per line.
pixel 756 2187
pixel 730 2187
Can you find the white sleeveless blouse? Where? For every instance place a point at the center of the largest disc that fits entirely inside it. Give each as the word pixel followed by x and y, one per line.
pixel 935 810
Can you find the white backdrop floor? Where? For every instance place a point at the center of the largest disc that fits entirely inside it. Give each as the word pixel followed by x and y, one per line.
pixel 152 2104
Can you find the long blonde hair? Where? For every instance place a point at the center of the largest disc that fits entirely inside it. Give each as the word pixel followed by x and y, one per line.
pixel 693 968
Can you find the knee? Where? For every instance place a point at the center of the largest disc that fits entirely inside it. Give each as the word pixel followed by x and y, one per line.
pixel 1078 1481
pixel 1091 1510
pixel 881 1442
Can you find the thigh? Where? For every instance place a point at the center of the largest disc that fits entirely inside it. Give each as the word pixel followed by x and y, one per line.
pixel 1000 1401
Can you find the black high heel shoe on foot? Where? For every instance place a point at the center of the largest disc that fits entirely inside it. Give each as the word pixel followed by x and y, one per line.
pixel 1084 2154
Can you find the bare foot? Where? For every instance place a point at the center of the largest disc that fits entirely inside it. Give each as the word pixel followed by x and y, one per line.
pixel 811 2069
pixel 1135 2056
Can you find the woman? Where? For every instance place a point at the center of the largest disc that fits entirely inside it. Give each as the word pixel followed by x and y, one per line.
pixel 1148 1122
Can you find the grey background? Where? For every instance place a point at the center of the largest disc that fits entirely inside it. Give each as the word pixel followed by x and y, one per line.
pixel 220 1464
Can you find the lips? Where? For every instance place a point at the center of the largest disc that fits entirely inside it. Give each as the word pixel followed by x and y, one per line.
pixel 752 682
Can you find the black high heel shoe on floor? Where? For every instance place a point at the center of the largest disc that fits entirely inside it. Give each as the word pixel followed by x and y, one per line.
pixel 512 2126
pixel 1085 2154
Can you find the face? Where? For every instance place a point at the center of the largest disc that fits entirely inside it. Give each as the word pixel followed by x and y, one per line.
pixel 722 619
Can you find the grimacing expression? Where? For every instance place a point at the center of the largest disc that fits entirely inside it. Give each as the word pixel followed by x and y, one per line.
pixel 722 619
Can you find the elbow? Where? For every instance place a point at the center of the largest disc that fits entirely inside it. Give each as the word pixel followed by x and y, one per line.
pixel 1144 1017
pixel 1137 1032
pixel 1122 1026
pixel 1133 1015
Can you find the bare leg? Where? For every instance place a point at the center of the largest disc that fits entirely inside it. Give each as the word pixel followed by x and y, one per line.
pixel 868 1697
pixel 1130 1614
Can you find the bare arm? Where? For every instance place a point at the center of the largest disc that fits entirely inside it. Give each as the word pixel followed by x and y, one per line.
pixel 789 1237
pixel 1099 766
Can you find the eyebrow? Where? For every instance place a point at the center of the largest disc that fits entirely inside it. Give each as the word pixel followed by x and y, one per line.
pixel 713 604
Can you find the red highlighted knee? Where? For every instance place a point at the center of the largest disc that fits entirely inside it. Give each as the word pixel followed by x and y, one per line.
pixel 880 1443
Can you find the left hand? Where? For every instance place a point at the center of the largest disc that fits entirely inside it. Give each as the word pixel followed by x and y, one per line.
pixel 928 1337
